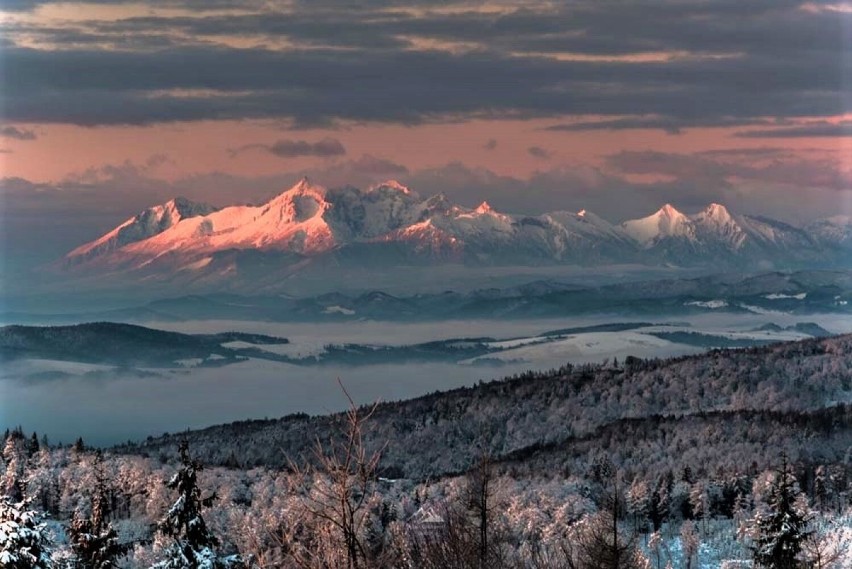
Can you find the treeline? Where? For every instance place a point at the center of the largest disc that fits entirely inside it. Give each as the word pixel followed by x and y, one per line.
pixel 431 435
pixel 728 459
pixel 332 509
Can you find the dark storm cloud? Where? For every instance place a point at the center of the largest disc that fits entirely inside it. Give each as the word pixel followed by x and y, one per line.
pixel 717 63
pixel 325 148
pixel 538 152
pixel 819 129
pixel 16 133
pixel 98 87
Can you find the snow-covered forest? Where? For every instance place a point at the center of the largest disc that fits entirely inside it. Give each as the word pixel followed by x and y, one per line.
pixel 727 459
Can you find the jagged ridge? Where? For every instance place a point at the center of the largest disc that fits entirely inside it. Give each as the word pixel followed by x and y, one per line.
pixel 390 223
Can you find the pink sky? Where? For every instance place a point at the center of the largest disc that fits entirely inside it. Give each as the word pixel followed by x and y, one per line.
pixel 112 106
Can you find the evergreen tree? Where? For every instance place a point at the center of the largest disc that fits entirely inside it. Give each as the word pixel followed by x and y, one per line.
pixel 658 504
pixel 15 456
pixel 782 527
pixel 23 540
pixel 194 545
pixel 34 446
pixel 93 539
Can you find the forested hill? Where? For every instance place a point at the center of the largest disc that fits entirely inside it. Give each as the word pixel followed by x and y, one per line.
pixel 125 345
pixel 721 406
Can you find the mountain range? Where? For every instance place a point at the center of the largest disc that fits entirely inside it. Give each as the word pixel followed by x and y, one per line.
pixel 775 292
pixel 390 225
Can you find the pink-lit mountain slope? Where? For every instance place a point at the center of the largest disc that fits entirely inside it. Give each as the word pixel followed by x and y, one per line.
pixel 391 225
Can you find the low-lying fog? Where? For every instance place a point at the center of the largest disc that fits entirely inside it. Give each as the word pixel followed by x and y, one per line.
pixel 124 406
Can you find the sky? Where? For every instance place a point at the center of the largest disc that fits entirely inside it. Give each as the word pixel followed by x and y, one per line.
pixel 107 107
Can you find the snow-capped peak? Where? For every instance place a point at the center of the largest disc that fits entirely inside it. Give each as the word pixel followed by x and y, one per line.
pixel 668 211
pixel 307 220
pixel 715 212
pixel 304 186
pixel 147 223
pixel 666 222
pixel 393 185
pixel 839 219
pixel 484 207
pixel 716 224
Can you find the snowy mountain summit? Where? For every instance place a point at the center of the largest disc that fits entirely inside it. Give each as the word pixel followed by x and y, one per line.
pixel 667 222
pixel 389 224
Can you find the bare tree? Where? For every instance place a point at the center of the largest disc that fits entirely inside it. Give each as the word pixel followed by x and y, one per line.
pixel 480 499
pixel 826 546
pixel 452 544
pixel 339 477
pixel 601 543
pixel 469 534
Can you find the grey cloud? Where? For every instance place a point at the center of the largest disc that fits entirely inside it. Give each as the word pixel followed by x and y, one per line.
pixel 17 133
pixel 291 148
pixel 818 129
pixel 539 152
pixel 491 144
pixel 363 171
pixel 368 164
pixel 779 168
pixel 348 65
pixel 327 147
pixel 671 125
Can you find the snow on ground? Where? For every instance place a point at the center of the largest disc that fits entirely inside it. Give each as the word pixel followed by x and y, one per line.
pixel 759 310
pixel 338 310
pixel 732 333
pixel 779 296
pixel 517 342
pixel 707 303
pixel 16 368
pixel 589 347
pixel 297 348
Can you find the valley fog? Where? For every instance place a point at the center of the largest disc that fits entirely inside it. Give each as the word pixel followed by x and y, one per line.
pixel 119 405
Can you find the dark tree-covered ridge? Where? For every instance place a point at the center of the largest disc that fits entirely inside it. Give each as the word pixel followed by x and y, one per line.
pixel 435 434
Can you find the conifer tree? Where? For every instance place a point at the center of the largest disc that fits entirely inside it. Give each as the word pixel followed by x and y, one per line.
pixel 15 457
pixel 194 545
pixel 23 540
pixel 33 446
pixel 782 527
pixel 93 539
